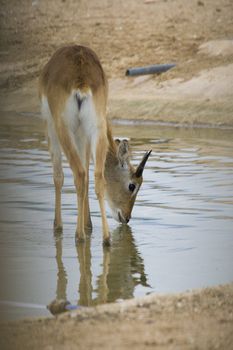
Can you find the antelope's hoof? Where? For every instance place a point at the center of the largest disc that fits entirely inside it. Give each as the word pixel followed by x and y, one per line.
pixel 88 229
pixel 79 238
pixel 107 242
pixel 57 228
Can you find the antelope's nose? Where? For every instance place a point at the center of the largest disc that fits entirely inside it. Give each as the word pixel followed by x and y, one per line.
pixel 124 219
pixel 127 218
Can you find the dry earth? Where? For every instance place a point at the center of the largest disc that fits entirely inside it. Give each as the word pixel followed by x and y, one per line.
pixel 197 36
pixel 195 320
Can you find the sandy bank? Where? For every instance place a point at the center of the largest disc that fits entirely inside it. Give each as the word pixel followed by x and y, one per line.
pixel 205 99
pixel 197 37
pixel 200 319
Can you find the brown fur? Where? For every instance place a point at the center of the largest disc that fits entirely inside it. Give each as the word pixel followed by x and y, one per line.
pixel 78 68
pixel 73 67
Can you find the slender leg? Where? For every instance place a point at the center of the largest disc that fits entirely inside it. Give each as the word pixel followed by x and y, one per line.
pixel 61 271
pixel 58 176
pixel 100 157
pixel 85 285
pixel 106 263
pixel 67 140
pixel 102 283
pixel 87 216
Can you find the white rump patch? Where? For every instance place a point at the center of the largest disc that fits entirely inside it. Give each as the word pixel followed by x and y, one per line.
pixel 82 123
pixel 75 118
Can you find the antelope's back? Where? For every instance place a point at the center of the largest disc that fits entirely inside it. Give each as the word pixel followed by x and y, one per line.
pixel 73 67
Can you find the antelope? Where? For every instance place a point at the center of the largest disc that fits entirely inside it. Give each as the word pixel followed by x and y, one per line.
pixel 73 91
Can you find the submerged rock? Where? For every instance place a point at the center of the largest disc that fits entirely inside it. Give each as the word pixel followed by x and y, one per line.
pixel 58 306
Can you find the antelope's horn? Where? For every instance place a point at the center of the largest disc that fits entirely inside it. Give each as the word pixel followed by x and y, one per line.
pixel 140 168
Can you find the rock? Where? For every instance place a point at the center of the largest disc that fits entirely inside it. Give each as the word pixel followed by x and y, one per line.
pixel 217 48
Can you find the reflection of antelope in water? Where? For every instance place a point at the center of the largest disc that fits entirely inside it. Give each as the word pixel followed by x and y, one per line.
pixel 123 270
pixel 73 90
pixel 61 272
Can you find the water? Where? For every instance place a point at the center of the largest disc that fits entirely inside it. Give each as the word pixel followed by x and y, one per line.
pixel 180 236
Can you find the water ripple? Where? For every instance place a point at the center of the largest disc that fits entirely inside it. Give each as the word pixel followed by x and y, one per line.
pixel 180 236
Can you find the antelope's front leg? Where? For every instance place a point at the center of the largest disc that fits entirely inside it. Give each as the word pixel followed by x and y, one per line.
pixel 101 152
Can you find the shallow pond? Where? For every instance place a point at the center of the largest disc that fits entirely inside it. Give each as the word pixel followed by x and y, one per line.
pixel 180 236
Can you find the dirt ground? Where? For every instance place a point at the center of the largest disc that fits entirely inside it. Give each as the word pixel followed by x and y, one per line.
pixel 192 320
pixel 197 36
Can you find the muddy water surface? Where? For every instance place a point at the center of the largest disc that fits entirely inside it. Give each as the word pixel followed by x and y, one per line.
pixel 180 235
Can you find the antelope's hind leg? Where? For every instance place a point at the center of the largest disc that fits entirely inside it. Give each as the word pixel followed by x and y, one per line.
pixel 58 176
pixel 68 142
pixel 87 216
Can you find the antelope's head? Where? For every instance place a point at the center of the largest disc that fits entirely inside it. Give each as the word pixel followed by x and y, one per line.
pixel 123 181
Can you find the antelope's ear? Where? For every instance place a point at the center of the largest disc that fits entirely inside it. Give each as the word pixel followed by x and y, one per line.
pixel 123 153
pixel 117 142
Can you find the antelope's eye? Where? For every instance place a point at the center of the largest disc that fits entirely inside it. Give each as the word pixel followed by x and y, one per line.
pixel 131 187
